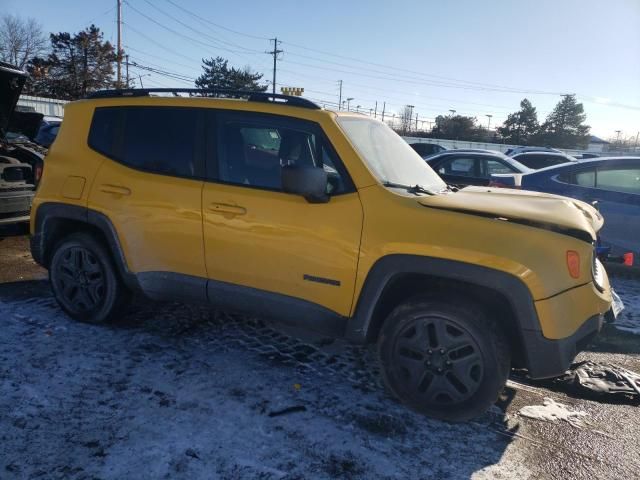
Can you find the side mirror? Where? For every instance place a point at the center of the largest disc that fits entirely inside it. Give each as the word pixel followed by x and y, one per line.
pixel 310 182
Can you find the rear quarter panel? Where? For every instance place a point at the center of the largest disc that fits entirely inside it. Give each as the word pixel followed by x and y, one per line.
pixel 70 166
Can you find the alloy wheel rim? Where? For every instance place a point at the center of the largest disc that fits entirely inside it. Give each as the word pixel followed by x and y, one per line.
pixel 438 361
pixel 80 279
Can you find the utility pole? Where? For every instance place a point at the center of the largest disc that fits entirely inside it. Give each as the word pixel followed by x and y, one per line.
pixel 340 96
pixel 407 126
pixel 488 115
pixel 119 54
pixel 416 121
pixel 375 111
pixel 618 136
pixel 126 58
pixel 384 106
pixel 275 53
pixel 348 103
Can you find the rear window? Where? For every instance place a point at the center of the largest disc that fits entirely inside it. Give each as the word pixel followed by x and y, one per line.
pixel 155 139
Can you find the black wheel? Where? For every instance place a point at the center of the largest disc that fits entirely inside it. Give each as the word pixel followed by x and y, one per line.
pixel 84 280
pixel 443 359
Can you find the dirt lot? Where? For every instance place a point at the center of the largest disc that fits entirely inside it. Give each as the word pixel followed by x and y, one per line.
pixel 176 391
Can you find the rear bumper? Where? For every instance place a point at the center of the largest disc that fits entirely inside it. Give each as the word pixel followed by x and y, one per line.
pixel 551 358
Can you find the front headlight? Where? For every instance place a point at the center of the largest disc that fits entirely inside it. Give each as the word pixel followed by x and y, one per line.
pixel 598 273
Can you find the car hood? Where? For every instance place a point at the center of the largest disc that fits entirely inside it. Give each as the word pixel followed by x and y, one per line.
pixel 11 83
pixel 541 210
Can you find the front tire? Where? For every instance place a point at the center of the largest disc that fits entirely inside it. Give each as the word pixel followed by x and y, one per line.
pixel 444 359
pixel 84 280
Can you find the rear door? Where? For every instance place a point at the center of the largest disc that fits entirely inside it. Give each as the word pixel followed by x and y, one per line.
pixel 150 188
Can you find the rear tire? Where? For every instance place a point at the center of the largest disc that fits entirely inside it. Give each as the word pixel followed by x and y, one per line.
pixel 84 280
pixel 443 358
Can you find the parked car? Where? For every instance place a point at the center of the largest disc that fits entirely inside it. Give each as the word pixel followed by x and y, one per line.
pixel 20 161
pixel 538 160
pixel 516 150
pixel 614 183
pixel 586 155
pixel 473 167
pixel 426 149
pixel 48 131
pixel 228 202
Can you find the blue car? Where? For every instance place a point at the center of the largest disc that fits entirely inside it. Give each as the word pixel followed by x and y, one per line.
pixel 614 183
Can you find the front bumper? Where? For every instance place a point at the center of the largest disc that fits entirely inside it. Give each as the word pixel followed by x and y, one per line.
pixel 551 358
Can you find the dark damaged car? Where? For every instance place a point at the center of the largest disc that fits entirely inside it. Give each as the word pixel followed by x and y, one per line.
pixel 21 160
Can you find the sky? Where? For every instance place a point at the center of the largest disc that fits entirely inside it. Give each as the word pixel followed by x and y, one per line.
pixel 477 58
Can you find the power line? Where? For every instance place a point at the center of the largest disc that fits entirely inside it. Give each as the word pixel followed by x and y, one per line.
pixel 199 18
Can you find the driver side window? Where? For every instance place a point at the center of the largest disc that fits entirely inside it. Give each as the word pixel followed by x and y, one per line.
pixel 253 149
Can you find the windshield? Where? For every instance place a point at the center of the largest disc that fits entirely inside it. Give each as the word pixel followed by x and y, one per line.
pixel 388 156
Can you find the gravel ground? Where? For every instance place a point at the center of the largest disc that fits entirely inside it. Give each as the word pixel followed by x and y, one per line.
pixel 176 391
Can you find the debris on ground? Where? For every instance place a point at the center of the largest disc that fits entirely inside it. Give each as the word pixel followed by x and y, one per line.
pixel 552 411
pixel 284 411
pixel 599 380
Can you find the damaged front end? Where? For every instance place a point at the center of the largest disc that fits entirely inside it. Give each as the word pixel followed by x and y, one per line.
pixel 21 160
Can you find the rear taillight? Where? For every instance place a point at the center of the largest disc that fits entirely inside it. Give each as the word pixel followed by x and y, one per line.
pixel 38 174
pixel 627 259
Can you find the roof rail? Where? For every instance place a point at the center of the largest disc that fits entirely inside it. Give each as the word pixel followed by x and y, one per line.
pixel 250 95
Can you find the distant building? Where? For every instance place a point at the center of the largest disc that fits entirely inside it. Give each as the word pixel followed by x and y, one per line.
pixel 597 144
pixel 46 106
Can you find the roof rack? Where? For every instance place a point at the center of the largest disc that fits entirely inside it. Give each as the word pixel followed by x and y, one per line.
pixel 251 96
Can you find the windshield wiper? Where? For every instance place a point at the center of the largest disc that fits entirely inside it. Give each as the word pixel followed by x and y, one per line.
pixel 409 188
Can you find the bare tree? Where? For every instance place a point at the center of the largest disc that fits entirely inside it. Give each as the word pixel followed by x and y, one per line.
pixel 406 116
pixel 20 40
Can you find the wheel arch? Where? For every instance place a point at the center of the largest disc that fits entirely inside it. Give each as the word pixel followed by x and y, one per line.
pixel 396 278
pixel 54 221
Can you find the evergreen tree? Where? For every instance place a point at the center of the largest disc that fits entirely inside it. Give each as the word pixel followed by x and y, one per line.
pixel 564 127
pixel 457 127
pixel 78 64
pixel 218 74
pixel 520 127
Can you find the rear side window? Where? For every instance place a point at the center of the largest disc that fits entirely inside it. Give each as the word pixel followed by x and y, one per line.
pixel 495 167
pixel 459 166
pixel 160 140
pixel 585 178
pixel 537 161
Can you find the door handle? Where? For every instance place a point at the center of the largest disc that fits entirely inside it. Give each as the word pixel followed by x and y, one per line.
pixel 226 208
pixel 115 189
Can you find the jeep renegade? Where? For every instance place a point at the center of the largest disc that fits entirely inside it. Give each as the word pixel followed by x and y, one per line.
pixel 271 205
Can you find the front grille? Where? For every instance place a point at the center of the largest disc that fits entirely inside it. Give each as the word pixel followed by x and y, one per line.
pixel 24 213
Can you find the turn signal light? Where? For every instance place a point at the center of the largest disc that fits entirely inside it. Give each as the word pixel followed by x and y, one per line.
pixel 628 259
pixel 573 263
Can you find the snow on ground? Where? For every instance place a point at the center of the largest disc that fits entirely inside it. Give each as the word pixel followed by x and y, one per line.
pixel 175 391
pixel 627 285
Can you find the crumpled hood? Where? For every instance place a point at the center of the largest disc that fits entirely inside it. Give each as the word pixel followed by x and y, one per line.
pixel 11 83
pixel 542 210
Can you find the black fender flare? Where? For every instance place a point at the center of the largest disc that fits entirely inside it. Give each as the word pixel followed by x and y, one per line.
pixel 49 212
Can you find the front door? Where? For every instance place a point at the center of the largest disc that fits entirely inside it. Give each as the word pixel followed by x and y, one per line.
pixel 277 243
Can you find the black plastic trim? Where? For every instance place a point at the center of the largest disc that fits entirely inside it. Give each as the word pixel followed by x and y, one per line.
pixel 281 307
pixel 250 95
pixel 552 358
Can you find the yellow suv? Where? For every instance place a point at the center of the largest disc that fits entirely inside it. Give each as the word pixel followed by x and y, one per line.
pixel 271 205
